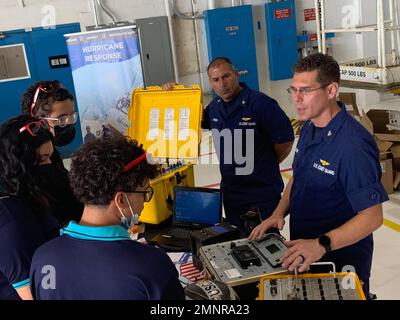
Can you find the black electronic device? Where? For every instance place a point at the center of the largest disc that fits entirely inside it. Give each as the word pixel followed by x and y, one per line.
pixel 274 246
pixel 325 241
pixel 249 220
pixel 220 232
pixel 245 256
pixel 194 209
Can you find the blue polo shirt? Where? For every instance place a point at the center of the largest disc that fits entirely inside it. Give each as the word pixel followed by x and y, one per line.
pixel 252 121
pixel 22 231
pixel 97 263
pixel 336 175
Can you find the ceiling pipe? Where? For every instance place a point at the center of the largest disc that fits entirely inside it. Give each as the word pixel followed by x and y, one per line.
pixel 107 11
pixel 95 13
pixel 211 4
pixel 198 53
pixel 181 15
pixel 172 39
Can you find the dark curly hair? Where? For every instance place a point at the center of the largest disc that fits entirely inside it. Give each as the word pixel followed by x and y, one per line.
pixel 45 100
pixel 328 68
pixel 18 157
pixel 96 169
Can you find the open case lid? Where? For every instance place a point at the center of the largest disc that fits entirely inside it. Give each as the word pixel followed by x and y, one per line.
pixel 167 123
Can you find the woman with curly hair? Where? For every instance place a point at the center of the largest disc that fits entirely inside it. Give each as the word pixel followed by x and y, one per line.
pixel 96 258
pixel 50 101
pixel 26 219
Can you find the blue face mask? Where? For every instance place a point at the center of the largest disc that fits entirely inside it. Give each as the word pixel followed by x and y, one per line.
pixel 125 222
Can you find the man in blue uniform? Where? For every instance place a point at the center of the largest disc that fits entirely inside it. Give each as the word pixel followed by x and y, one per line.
pixel 335 196
pixel 251 135
pixel 96 259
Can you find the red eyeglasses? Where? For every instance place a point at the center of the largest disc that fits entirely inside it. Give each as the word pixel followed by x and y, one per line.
pixel 46 89
pixel 34 127
pixel 134 162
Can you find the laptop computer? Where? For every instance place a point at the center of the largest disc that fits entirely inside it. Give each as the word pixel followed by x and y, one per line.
pixel 194 208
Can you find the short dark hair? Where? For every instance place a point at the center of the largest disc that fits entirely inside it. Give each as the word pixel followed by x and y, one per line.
pixel 327 67
pixel 18 156
pixel 45 100
pixel 221 60
pixel 96 169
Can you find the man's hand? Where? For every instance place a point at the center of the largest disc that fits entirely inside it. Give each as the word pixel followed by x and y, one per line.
pixel 169 86
pixel 272 222
pixel 302 252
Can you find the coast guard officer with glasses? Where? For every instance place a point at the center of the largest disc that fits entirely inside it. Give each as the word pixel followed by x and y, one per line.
pixel 335 196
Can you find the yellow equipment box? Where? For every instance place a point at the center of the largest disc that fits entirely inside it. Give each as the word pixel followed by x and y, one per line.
pixel 167 123
pixel 311 286
pixel 160 206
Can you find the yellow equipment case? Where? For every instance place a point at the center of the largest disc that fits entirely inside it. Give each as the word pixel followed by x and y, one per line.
pixel 167 123
pixel 311 286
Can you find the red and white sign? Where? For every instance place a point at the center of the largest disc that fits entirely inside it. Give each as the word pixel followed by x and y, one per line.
pixel 313 37
pixel 282 13
pixel 309 14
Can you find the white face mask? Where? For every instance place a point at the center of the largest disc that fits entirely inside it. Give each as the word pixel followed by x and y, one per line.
pixel 124 220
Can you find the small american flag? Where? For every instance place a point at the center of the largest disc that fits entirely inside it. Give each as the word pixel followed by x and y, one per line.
pixel 189 271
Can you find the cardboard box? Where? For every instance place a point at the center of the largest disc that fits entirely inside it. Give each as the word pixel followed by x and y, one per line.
pixel 349 99
pixel 376 122
pixel 387 175
pixel 396 181
pixel 388 141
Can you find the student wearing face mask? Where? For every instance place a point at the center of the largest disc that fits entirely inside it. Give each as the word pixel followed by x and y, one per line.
pixel 50 101
pixel 96 258
pixel 26 219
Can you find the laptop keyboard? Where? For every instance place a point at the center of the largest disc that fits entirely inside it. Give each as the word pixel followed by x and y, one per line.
pixel 179 233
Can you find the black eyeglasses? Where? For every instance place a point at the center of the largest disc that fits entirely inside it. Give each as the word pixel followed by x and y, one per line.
pixel 148 193
pixel 304 91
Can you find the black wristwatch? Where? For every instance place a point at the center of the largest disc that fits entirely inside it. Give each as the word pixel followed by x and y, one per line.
pixel 325 241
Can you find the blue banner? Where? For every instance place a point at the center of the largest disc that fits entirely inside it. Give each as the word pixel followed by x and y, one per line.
pixel 106 67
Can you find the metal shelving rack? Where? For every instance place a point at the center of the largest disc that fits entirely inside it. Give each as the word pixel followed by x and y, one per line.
pixel 380 73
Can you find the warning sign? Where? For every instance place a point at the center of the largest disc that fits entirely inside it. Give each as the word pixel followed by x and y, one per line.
pixel 282 13
pixel 309 14
pixel 313 37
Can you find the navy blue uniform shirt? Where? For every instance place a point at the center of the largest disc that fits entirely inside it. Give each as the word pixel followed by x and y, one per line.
pixel 97 263
pixel 336 175
pixel 22 231
pixel 260 118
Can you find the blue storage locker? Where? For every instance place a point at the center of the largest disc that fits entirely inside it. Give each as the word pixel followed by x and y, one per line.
pixel 282 38
pixel 230 33
pixel 40 44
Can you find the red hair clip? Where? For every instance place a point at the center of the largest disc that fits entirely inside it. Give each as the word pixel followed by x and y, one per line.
pixel 133 163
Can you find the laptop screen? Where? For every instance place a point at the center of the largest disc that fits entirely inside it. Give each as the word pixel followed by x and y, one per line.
pixel 197 205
